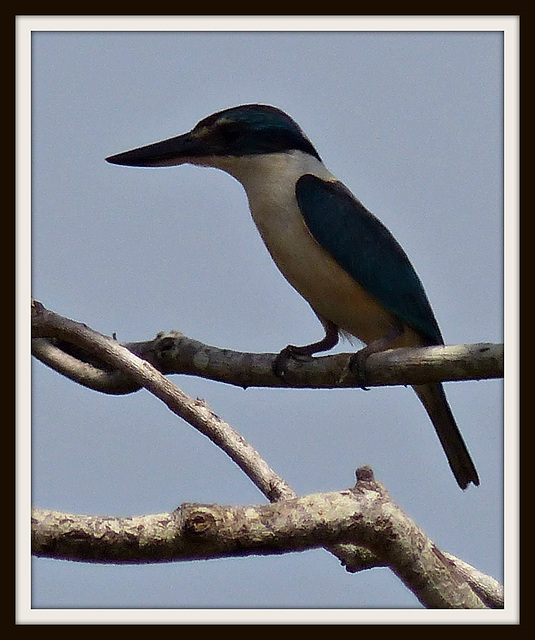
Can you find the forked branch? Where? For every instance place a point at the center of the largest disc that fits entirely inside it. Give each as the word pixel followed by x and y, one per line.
pixel 361 526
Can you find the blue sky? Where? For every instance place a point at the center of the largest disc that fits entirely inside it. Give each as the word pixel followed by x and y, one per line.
pixel 411 121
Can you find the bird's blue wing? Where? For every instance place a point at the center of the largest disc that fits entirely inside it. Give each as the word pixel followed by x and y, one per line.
pixel 366 249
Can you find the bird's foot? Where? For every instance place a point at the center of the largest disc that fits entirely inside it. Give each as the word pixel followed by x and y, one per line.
pixel 291 352
pixel 357 362
pixel 357 366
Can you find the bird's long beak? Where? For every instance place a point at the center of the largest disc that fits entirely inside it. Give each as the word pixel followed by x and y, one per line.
pixel 167 153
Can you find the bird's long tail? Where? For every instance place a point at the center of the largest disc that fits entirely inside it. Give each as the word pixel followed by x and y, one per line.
pixel 434 400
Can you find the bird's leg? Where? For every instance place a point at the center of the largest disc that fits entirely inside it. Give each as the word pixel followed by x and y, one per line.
pixel 293 352
pixel 357 362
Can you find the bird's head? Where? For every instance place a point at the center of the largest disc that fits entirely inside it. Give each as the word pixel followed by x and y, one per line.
pixel 246 130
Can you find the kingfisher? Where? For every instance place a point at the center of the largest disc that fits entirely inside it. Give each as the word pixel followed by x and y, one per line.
pixel 330 248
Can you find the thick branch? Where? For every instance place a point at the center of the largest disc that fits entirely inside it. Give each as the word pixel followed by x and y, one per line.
pixel 174 353
pixel 364 516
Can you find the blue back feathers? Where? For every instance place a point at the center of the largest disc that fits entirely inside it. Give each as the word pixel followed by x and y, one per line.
pixel 366 249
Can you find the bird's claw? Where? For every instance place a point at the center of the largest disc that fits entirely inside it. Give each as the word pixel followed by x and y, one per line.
pixel 291 352
pixel 357 366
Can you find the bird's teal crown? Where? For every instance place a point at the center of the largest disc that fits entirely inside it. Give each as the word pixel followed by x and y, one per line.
pixel 252 129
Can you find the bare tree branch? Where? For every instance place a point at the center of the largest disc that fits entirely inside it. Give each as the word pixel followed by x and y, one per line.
pixel 174 353
pixel 489 590
pixel 364 515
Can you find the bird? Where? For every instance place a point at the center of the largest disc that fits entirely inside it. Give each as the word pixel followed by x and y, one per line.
pixel 338 255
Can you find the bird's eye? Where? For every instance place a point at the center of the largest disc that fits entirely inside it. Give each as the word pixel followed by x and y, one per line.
pixel 229 131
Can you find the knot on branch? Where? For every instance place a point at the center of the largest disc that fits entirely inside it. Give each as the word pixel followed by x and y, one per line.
pixel 366 482
pixel 199 523
pixel 365 474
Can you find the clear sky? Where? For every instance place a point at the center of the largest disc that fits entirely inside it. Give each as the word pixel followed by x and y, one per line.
pixel 411 121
